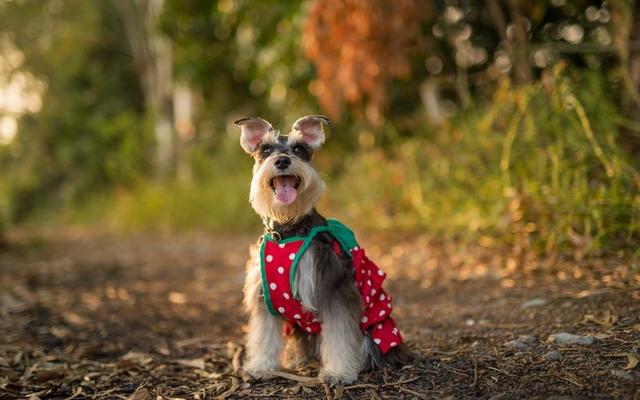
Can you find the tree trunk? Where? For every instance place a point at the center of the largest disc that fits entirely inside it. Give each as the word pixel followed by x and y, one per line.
pixel 498 19
pixel 431 100
pixel 634 52
pixel 184 113
pixel 625 22
pixel 519 43
pixel 153 58
pixel 632 139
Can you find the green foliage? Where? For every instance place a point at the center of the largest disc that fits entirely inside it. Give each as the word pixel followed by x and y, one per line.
pixel 539 167
pixel 90 133
pixel 525 169
pixel 243 55
pixel 217 200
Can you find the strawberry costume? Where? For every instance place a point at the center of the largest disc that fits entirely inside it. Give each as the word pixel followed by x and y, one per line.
pixel 279 261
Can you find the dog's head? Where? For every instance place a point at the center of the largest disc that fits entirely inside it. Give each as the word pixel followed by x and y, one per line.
pixel 285 185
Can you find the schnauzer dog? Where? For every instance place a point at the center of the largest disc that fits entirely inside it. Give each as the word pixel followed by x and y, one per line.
pixel 308 281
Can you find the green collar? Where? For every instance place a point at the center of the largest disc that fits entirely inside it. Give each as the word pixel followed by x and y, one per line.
pixel 337 229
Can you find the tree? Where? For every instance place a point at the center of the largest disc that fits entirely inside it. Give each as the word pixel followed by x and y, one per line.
pixel 358 47
pixel 153 56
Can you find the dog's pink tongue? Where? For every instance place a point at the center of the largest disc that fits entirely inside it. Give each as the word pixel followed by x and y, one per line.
pixel 285 189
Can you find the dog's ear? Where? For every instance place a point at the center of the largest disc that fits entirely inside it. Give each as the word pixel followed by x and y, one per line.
pixel 253 130
pixel 309 130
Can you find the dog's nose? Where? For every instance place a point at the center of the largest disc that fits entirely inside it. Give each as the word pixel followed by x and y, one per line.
pixel 282 162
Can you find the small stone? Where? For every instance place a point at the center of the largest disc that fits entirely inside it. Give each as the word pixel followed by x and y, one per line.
pixel 570 338
pixel 521 342
pixel 535 302
pixel 622 374
pixel 552 355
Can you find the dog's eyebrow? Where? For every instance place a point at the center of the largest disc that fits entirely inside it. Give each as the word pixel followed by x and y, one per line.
pixel 275 148
pixel 305 153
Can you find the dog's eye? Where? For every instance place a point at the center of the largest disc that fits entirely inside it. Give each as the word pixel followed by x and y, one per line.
pixel 302 151
pixel 266 151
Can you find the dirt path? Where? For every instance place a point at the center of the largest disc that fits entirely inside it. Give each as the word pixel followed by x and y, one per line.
pixel 107 317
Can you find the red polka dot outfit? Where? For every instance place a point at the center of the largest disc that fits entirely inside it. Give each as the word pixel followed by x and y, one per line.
pixel 279 261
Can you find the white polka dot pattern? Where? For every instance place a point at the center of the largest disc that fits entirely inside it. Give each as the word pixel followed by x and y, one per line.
pixel 376 318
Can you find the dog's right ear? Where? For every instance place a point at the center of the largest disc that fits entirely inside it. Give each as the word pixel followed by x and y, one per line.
pixel 309 130
pixel 253 130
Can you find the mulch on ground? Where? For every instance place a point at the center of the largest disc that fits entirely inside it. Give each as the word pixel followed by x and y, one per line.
pixel 159 317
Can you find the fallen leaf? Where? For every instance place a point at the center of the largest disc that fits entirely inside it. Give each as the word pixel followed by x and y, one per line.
pixel 60 332
pixel 197 363
pixel 49 374
pixel 632 360
pixel 74 319
pixel 234 386
pixel 17 358
pixel 76 393
pixel 607 319
pixel 134 357
pixel 601 336
pixel 215 376
pixel 177 298
pixel 140 394
pixel 9 373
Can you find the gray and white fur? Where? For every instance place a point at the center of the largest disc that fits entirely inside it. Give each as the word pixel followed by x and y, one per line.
pixel 324 280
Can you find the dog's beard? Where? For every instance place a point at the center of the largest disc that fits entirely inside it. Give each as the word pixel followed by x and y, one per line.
pixel 265 202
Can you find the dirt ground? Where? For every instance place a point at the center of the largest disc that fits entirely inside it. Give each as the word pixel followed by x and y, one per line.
pixel 159 317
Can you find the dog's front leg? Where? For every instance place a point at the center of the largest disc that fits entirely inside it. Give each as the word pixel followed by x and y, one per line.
pixel 340 346
pixel 339 308
pixel 264 344
pixel 264 339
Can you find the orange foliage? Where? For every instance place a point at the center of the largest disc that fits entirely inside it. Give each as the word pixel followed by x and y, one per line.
pixel 358 46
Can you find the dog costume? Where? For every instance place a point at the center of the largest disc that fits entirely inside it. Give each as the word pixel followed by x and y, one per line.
pixel 279 261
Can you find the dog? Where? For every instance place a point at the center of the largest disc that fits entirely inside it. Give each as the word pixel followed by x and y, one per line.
pixel 308 283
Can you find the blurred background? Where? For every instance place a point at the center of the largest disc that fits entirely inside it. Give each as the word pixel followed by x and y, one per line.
pixel 503 122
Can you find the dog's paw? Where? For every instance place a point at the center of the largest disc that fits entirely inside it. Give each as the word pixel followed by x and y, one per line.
pixel 295 363
pixel 257 374
pixel 334 378
pixel 260 371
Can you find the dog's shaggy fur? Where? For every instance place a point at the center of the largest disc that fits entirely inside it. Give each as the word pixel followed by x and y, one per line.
pixel 324 281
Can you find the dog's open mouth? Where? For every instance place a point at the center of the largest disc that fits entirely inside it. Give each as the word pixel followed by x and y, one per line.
pixel 285 187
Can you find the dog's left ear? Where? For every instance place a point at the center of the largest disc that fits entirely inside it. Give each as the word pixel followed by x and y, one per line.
pixel 253 130
pixel 309 130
